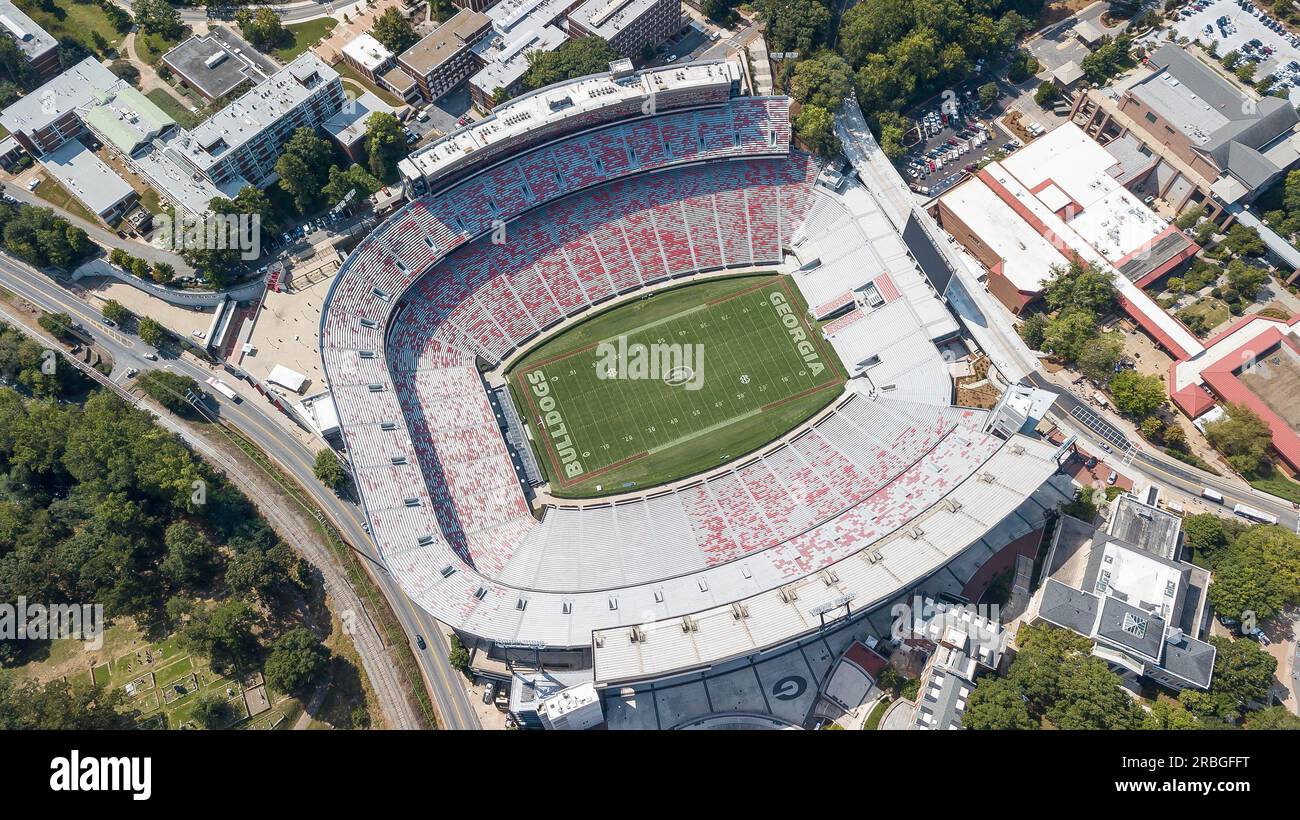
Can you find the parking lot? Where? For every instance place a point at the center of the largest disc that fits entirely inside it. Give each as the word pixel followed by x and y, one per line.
pixel 1241 26
pixel 946 147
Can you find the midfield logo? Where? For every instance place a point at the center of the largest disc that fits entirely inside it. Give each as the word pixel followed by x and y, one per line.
pixel 677 365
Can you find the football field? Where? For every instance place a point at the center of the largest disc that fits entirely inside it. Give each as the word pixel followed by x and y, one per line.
pixel 673 383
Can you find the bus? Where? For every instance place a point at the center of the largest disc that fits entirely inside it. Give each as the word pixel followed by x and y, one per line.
pixel 1254 514
pixel 1213 495
pixel 223 388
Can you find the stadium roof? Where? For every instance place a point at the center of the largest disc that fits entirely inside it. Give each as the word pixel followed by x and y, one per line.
pixel 97 186
pixel 557 104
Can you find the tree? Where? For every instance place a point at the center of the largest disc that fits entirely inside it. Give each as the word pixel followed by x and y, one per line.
pixel 1188 219
pixel 1242 436
pixel 303 167
pixel 794 25
pixel 115 312
pixel 394 31
pixel 224 634
pixel 1109 58
pixel 1137 395
pixel 815 127
pixel 997 704
pixel 261 27
pixel 1080 285
pixel 1036 671
pixel 1167 713
pixel 57 325
pixel 1151 427
pixel 163 273
pixel 824 81
pixel 1097 357
pixel 151 332
pixel 458 655
pixel 355 178
pixel 1205 534
pixel 1091 697
pixel 158 17
pixel 988 93
pixel 295 660
pixel 191 559
pixel 1259 573
pixel 1067 333
pixel 1243 674
pixel 212 711
pixel 1274 717
pixel 1034 330
pixel 170 389
pixel 385 144
pixel 574 58
pixel 1046 93
pixel 329 470
pixel 55 706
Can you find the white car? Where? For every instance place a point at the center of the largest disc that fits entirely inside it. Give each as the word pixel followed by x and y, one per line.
pixel 31 186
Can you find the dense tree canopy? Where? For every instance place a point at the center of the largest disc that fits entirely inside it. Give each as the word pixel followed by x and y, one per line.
pixel 295 660
pixel 1243 438
pixel 575 58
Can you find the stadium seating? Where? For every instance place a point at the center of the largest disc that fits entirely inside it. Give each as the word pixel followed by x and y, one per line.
pixel 594 215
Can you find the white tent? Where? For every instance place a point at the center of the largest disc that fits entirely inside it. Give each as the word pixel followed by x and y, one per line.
pixel 288 379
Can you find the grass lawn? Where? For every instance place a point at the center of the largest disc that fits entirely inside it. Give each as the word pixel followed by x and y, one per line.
pixel 151 47
pixel 302 36
pixel 351 76
pixel 1276 483
pixel 172 108
pixel 55 194
pixel 733 377
pixel 1213 312
pixel 877 712
pixel 76 21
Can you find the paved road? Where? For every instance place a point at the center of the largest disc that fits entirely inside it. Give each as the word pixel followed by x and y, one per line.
pixel 254 420
pixel 1169 472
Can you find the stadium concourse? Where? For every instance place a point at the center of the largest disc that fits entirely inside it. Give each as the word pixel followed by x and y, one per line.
pixel 607 186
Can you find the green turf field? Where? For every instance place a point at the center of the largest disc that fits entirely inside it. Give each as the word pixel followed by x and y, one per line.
pixel 674 383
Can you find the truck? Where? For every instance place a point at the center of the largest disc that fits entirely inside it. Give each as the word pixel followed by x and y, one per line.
pixel 1212 495
pixel 1254 514
pixel 223 388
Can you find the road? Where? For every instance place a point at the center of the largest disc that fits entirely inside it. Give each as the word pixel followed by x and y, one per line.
pixel 255 420
pixel 1167 471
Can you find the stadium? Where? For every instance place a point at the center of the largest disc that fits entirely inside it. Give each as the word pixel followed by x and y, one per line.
pixel 657 207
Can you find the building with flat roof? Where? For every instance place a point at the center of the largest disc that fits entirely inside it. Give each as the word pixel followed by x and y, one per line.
pixel 92 182
pixel 348 126
pixel 400 83
pixel 211 67
pixel 126 119
pixel 368 56
pixel 242 140
pixel 628 25
pixel 1142 525
pixel 1144 612
pixel 37 45
pixel 1057 200
pixel 444 59
pixel 1238 142
pixel 46 117
pixel 518 27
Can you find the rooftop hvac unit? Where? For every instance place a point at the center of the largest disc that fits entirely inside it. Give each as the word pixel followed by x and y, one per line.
pixel 215 60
